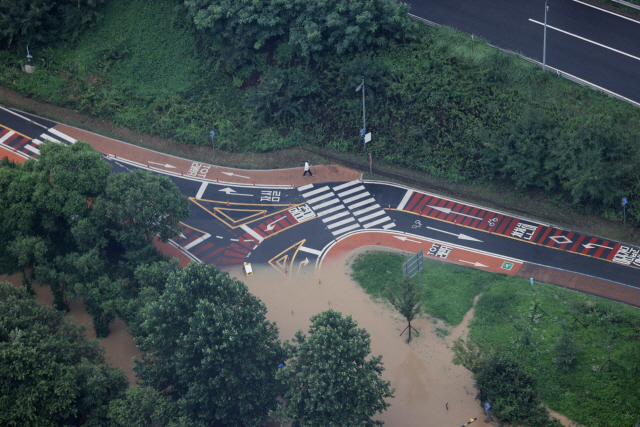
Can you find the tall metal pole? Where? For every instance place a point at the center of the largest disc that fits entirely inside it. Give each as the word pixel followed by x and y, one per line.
pixel 364 116
pixel 544 47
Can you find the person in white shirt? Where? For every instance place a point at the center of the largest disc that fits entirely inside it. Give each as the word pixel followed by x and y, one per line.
pixel 306 168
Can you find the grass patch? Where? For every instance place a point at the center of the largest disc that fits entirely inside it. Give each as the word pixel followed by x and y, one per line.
pixel 596 385
pixel 448 290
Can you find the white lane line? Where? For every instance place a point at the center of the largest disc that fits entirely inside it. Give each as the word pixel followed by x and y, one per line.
pixel 219 237
pixel 197 241
pixel 339 223
pixel 344 230
pixel 380 221
pixel 252 233
pixel 324 196
pixel 388 226
pixel 319 190
pixel 373 215
pixel 356 197
pixel 336 216
pixel 7 136
pixel 48 138
pixel 305 187
pixel 352 190
pixel 328 211
pixel 405 200
pixel 367 209
pixel 201 190
pixel 309 250
pixel 348 184
pixel 62 135
pixel 362 203
pixel 32 149
pixel 587 40
pixel 329 203
pixel 36 141
pixel 603 10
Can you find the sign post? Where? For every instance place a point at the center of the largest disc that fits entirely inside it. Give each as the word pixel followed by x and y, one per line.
pixel 624 209
pixel 367 138
pixel 364 114
pixel 213 133
pixel 370 165
pixel 413 266
pixel 487 406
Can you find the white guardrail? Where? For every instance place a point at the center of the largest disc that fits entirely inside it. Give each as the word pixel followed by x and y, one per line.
pixel 555 70
pixel 626 3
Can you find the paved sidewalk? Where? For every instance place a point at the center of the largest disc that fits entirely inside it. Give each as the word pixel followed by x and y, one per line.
pixel 121 150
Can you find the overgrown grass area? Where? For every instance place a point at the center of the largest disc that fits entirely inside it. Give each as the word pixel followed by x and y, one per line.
pixel 443 104
pixel 583 351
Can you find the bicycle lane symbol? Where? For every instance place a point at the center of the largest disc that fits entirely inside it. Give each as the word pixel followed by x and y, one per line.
pixel 418 224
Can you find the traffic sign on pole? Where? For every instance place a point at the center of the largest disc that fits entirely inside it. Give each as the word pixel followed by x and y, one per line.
pixel 213 146
pixel 370 164
pixel 624 209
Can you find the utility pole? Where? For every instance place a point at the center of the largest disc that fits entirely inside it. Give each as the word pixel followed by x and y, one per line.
pixel 544 47
pixel 364 114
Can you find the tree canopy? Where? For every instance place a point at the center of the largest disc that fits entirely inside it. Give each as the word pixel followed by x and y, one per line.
pixel 210 348
pixel 407 299
pixel 329 381
pixel 67 222
pixel 32 22
pixel 50 374
pixel 309 26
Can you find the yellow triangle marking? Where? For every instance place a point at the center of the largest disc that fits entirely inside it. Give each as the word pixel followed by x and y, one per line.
pixel 229 222
pixel 282 259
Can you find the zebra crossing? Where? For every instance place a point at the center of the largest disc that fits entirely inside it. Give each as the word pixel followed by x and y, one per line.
pixel 27 146
pixel 346 207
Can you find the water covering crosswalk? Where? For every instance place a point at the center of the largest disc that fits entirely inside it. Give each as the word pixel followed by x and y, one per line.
pixel 346 207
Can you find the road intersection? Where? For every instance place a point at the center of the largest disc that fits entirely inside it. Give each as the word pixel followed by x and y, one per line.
pixel 295 224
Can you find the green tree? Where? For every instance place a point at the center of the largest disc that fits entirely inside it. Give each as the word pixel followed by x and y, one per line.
pixel 50 374
pixel 566 351
pixel 33 22
pixel 210 348
pixel 406 297
pixel 329 381
pixel 144 407
pixel 340 25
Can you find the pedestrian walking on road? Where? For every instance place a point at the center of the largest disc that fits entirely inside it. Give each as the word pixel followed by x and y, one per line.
pixel 306 168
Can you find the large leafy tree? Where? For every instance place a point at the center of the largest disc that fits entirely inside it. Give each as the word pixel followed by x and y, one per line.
pixel 209 347
pixel 50 374
pixel 32 22
pixel 82 230
pixel 329 381
pixel 309 26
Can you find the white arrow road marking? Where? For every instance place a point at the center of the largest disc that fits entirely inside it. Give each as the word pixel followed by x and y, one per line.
pixel 273 224
pixel 406 239
pixel 167 165
pixel 459 236
pixel 305 262
pixel 183 236
pixel 233 174
pixel 230 191
pixel 475 264
pixel 448 211
pixel 593 245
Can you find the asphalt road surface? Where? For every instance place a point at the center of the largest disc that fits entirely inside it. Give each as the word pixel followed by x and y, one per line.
pixel 295 228
pixel 590 43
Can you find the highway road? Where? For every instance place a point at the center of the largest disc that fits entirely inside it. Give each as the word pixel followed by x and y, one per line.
pixel 588 42
pixel 296 228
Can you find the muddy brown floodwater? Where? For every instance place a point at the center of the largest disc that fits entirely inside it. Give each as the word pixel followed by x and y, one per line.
pixel 422 373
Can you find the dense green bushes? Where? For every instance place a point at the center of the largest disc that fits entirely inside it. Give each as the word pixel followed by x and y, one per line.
pixel 441 103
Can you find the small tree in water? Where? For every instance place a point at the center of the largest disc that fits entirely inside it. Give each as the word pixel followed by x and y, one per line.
pixel 406 298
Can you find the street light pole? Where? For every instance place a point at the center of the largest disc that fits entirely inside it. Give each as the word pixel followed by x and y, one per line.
pixel 364 113
pixel 544 47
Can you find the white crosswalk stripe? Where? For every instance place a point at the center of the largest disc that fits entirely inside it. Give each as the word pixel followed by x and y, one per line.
pixel 49 138
pixel 325 204
pixel 336 216
pixel 339 223
pixel 380 221
pixel 323 197
pixel 368 217
pixel 32 149
pixel 318 191
pixel 348 184
pixel 353 190
pixel 62 135
pixel 344 230
pixel 330 210
pixel 357 197
pixel 388 226
pixel 7 136
pixel 367 209
pixel 362 203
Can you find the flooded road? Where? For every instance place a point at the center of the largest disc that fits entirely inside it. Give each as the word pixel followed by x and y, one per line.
pixel 421 372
